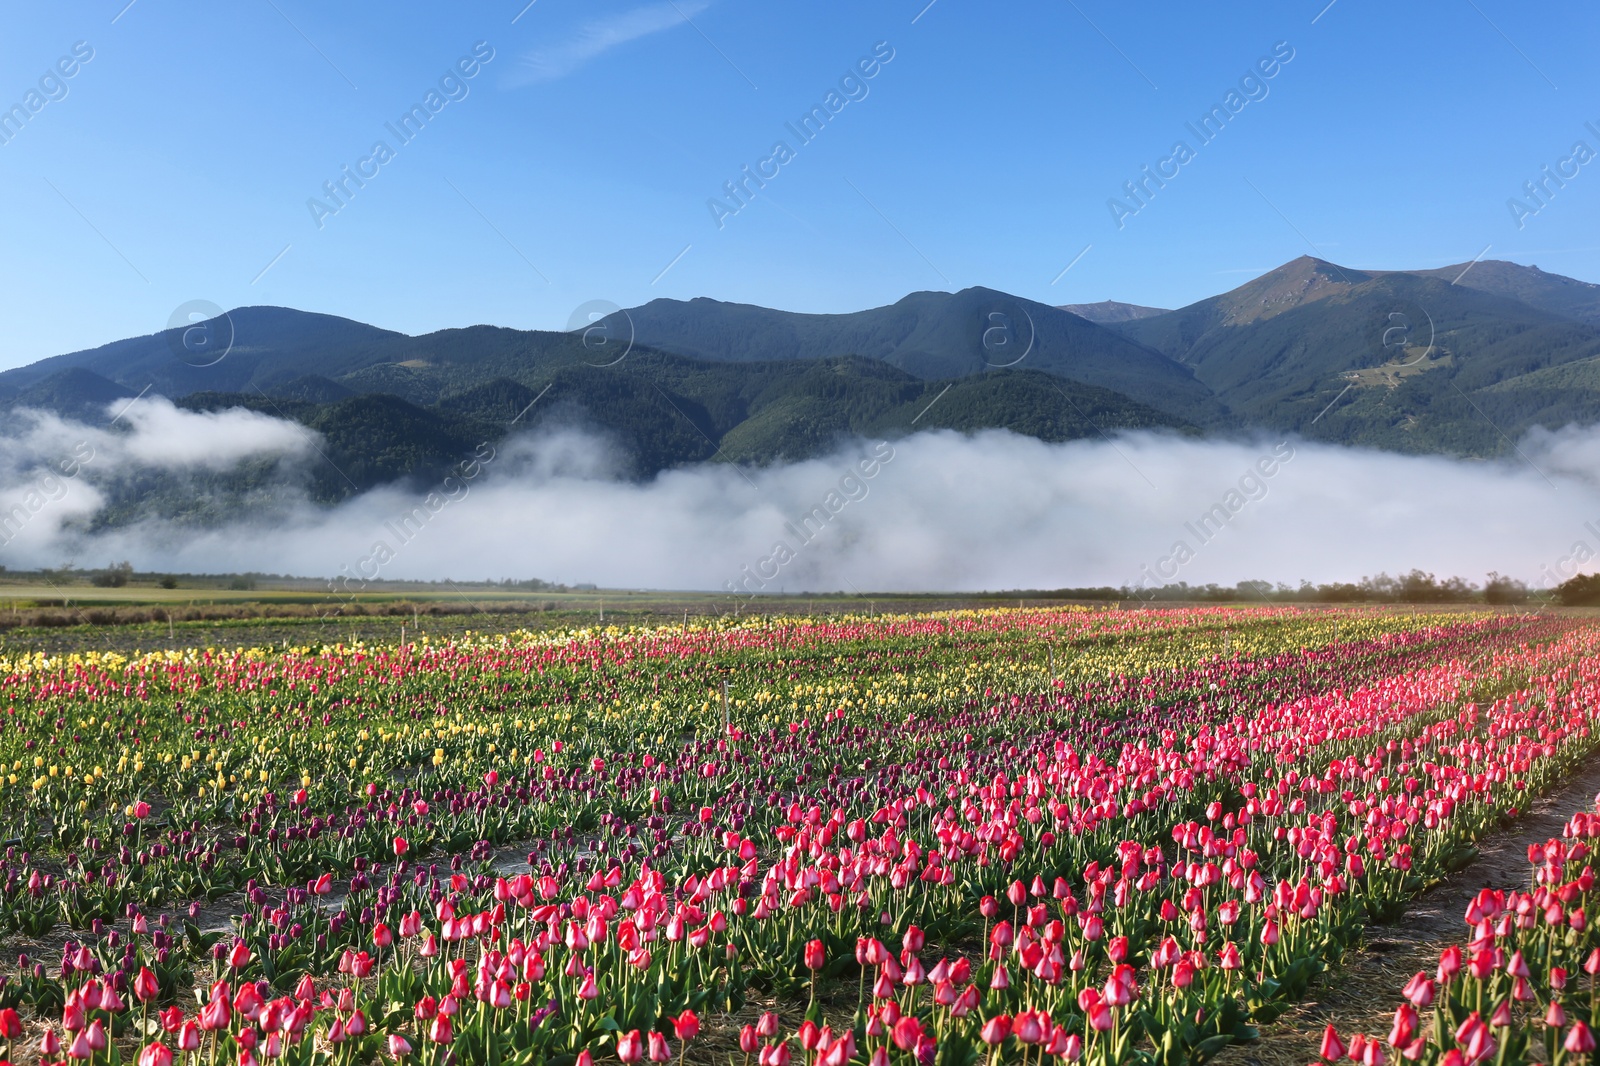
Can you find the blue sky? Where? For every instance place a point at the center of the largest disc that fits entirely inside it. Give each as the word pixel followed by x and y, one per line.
pixel 177 163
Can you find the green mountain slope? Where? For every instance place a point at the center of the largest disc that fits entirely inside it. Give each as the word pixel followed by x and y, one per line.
pixel 661 411
pixel 1559 295
pixel 932 335
pixel 1398 360
pixel 1419 361
pixel 269 346
pixel 73 392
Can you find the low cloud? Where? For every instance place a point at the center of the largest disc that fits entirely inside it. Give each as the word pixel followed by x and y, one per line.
pixel 58 476
pixel 946 512
pixel 593 39
pixel 165 436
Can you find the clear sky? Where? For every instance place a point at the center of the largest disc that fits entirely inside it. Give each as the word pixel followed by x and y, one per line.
pixel 577 163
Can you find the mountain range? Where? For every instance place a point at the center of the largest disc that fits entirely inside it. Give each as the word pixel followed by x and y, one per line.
pixel 1456 360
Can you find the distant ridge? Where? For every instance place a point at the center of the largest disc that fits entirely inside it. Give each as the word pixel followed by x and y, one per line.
pixel 1110 312
pixel 1457 360
pixel 933 335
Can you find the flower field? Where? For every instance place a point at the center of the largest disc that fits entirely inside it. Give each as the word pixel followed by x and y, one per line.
pixel 1001 836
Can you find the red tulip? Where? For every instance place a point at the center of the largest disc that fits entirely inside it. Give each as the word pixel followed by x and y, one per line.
pixel 1027 1028
pixel 630 1047
pixel 248 1001
pixel 815 955
pixel 155 1054
pixel 1405 1026
pixel 1419 990
pixel 996 1029
pixel 907 1032
pixel 1333 1048
pixel 215 1015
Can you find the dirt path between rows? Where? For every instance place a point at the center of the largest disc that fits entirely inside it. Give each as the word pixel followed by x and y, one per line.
pixel 1361 995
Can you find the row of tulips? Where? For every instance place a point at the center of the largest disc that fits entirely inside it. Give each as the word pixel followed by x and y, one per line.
pixel 172 819
pixel 1049 878
pixel 1522 987
pixel 1060 978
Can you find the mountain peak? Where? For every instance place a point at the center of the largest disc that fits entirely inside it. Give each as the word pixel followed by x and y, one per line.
pixel 1299 281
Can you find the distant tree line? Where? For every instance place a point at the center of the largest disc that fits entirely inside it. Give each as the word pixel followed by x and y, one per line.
pixel 1418 586
pixel 122 574
pixel 1581 591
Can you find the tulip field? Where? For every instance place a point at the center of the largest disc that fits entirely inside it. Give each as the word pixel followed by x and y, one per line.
pixel 1030 836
